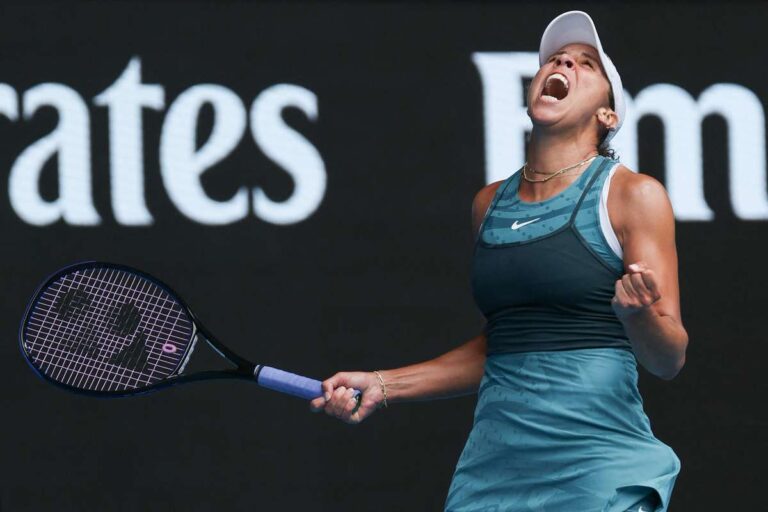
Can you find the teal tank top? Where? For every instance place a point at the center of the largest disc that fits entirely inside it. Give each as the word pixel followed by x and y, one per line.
pixel 542 272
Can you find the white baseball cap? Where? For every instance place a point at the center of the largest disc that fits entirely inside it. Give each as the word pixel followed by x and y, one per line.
pixel 577 27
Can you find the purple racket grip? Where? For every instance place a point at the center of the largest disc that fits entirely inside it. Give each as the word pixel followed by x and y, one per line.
pixel 290 383
pixel 285 382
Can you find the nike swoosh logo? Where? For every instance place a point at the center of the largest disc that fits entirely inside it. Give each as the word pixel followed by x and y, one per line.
pixel 516 225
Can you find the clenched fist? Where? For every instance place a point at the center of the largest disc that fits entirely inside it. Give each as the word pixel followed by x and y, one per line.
pixel 338 396
pixel 635 291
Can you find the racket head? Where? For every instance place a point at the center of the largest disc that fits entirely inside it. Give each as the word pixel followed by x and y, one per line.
pixel 107 330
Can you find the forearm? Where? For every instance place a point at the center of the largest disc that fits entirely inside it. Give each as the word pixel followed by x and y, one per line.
pixel 454 373
pixel 659 342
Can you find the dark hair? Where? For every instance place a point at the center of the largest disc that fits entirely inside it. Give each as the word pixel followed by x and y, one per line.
pixel 604 148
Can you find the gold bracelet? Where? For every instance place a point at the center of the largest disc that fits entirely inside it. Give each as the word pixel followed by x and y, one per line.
pixel 383 387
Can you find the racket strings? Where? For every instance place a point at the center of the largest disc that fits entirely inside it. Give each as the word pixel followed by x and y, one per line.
pixel 78 365
pixel 60 331
pixel 89 326
pixel 105 329
pixel 69 361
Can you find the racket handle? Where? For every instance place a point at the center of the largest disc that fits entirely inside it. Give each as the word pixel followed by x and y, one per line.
pixel 290 383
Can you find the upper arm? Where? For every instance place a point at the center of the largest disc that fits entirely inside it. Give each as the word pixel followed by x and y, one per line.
pixel 645 227
pixel 481 203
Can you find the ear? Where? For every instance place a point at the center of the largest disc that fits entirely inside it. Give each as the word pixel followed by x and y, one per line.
pixel 607 118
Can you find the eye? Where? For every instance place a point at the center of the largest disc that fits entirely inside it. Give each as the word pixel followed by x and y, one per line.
pixel 588 63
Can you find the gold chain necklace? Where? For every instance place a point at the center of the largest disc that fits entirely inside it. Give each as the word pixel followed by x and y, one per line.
pixel 551 175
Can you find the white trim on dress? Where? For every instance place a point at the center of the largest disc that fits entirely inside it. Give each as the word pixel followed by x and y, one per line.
pixel 605 220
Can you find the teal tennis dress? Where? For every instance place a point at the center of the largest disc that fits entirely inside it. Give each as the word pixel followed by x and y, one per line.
pixel 559 424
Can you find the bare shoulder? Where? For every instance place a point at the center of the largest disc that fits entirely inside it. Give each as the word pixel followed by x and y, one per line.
pixel 481 203
pixel 485 195
pixel 635 188
pixel 636 197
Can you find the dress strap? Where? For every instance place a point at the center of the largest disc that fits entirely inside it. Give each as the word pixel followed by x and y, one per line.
pixel 498 195
pixel 586 190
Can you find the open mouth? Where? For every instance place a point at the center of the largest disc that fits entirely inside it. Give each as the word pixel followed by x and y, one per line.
pixel 555 88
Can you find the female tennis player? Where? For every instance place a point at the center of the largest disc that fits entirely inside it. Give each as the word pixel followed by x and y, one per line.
pixel 575 270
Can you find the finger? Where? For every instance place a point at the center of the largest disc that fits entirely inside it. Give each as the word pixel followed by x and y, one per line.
pixel 318 404
pixel 649 278
pixel 626 281
pixel 335 406
pixel 350 405
pixel 358 399
pixel 352 409
pixel 621 298
pixel 354 418
pixel 643 293
pixel 329 385
pixel 330 403
pixel 638 266
pixel 367 407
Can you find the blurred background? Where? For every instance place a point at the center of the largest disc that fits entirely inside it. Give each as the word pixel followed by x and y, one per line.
pixel 302 174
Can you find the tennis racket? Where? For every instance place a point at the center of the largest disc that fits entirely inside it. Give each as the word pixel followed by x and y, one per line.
pixel 109 330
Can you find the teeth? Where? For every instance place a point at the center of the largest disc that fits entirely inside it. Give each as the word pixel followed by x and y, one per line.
pixel 559 76
pixel 553 92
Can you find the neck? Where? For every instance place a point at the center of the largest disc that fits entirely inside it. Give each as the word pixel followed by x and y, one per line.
pixel 549 152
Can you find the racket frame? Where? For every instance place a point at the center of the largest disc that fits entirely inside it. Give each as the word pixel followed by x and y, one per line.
pixel 244 369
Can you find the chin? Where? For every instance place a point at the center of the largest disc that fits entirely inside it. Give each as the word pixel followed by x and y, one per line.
pixel 543 115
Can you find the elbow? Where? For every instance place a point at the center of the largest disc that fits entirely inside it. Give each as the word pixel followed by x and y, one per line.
pixel 676 364
pixel 672 371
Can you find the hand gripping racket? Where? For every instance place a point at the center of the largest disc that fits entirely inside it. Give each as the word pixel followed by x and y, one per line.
pixel 109 330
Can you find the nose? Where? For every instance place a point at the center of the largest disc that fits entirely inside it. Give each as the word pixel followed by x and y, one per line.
pixel 564 59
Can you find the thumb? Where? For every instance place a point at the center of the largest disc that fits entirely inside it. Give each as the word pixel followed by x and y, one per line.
pixel 330 384
pixel 637 267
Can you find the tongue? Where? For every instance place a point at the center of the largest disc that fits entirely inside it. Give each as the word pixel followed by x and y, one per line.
pixel 555 88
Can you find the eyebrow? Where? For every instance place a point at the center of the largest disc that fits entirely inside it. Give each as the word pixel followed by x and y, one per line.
pixel 583 54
